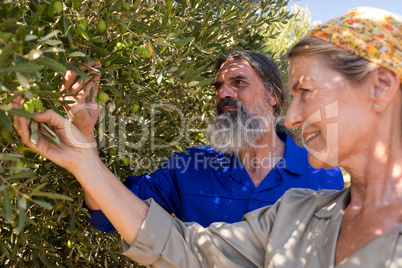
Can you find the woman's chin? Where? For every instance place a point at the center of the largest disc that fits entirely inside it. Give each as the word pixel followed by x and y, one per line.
pixel 321 161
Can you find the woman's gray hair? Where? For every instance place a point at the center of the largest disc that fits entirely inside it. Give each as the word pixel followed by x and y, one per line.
pixel 354 68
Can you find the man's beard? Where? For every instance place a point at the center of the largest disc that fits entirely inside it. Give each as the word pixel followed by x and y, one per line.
pixel 236 131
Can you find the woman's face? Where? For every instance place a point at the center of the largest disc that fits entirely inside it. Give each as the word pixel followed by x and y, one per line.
pixel 332 113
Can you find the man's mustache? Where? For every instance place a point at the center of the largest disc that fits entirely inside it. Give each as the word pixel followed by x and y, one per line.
pixel 228 102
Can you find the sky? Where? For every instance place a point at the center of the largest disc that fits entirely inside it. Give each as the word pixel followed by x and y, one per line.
pixel 323 10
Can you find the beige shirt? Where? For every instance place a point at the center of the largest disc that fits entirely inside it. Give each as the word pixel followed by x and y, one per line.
pixel 300 230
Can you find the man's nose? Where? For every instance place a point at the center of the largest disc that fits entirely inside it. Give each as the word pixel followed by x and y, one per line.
pixel 227 91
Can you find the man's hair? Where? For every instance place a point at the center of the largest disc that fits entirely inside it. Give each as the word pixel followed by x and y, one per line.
pixel 266 69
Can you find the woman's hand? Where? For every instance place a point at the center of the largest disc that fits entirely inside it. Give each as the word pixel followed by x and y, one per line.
pixel 125 211
pixel 84 112
pixel 74 149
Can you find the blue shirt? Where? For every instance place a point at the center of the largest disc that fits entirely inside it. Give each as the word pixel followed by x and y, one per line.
pixel 206 186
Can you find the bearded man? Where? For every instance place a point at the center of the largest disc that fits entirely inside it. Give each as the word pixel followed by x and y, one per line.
pixel 248 164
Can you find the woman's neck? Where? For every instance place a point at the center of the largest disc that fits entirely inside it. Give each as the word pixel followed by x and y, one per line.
pixel 376 175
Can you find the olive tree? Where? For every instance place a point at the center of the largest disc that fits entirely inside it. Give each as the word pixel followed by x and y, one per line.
pixel 157 62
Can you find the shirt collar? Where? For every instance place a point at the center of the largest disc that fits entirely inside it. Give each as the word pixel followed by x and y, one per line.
pixel 337 204
pixel 292 157
pixel 293 162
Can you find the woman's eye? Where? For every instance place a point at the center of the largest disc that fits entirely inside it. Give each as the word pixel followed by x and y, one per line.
pixel 304 90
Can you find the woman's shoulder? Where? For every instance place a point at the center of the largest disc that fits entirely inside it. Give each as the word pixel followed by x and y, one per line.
pixel 299 202
pixel 301 196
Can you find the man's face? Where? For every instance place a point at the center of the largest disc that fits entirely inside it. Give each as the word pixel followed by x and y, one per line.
pixel 238 81
pixel 244 108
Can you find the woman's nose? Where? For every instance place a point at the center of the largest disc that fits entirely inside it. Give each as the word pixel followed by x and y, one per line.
pixel 293 118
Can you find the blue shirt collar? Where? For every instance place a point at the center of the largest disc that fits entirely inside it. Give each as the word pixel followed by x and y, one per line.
pixel 292 157
pixel 292 161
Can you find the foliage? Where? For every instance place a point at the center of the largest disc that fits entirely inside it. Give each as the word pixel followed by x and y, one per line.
pixel 282 36
pixel 157 59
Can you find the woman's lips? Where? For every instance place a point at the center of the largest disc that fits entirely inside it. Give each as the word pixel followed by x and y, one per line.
pixel 309 136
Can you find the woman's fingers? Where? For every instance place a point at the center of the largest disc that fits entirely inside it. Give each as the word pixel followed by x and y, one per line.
pixel 49 116
pixel 52 118
pixel 68 79
pixel 73 83
pixel 21 126
pixel 81 96
pixel 17 101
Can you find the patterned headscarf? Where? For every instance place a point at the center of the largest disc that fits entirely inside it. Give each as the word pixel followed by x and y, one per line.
pixel 371 33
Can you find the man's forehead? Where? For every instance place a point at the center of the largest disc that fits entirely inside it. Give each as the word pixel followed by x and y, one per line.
pixel 234 67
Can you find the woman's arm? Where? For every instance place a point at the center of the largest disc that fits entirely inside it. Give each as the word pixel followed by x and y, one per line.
pixel 125 211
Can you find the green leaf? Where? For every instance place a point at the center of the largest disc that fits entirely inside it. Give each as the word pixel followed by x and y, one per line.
pixel 30 37
pixel 29 164
pixel 39 188
pixel 51 64
pixel 181 40
pixel 121 60
pixel 50 35
pixel 205 82
pixel 237 4
pixel 7 24
pixel 76 54
pixel 101 51
pixel 54 50
pixel 79 71
pixel 193 83
pixel 91 92
pixel 53 195
pixel 23 174
pixel 6 52
pixel 7 157
pixel 44 86
pixel 21 112
pixel 22 203
pixel 81 31
pixel 52 140
pixel 44 204
pixel 113 90
pixel 22 68
pixel 5 121
pixel 7 205
pixel 53 42
pixel 21 217
pixel 117 5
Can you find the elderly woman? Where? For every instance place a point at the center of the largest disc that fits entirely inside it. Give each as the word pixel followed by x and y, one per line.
pixel 346 85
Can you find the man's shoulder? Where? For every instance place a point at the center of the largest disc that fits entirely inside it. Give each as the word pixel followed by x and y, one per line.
pixel 201 151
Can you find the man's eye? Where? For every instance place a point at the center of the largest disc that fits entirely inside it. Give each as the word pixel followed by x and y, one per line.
pixel 239 82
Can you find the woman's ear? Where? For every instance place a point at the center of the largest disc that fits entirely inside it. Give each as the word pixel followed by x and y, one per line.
pixel 385 85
